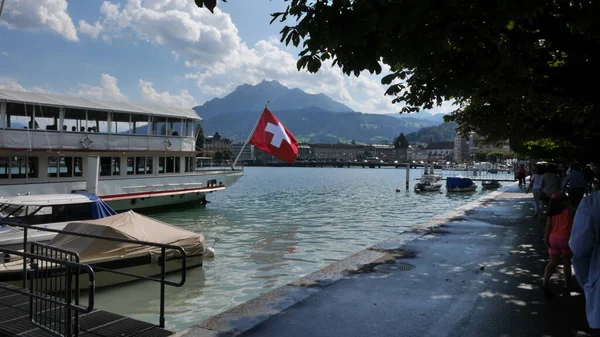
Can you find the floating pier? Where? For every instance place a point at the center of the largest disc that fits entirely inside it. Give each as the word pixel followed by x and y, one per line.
pixel 15 321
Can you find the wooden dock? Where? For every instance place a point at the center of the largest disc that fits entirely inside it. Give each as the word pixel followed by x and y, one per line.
pixel 15 321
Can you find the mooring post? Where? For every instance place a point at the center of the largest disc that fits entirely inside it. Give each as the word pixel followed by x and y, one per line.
pixel 407 175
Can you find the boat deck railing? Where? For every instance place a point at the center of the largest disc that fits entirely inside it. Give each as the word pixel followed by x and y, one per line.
pixel 30 255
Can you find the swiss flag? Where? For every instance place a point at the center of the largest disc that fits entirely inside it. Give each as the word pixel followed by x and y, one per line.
pixel 274 138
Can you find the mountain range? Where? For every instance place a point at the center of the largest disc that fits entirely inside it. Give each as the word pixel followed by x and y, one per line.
pixel 313 118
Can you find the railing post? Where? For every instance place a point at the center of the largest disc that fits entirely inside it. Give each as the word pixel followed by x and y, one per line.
pixel 68 319
pixel 163 262
pixel 24 259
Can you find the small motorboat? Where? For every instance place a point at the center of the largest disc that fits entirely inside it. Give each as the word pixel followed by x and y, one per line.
pixel 52 211
pixel 490 184
pixel 130 258
pixel 429 183
pixel 460 184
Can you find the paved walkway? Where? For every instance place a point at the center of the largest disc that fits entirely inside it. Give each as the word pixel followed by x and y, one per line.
pixel 475 274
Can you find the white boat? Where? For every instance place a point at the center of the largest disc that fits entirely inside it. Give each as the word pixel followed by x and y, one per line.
pixel 429 182
pixel 146 153
pixel 460 184
pixel 490 184
pixel 52 211
pixel 123 257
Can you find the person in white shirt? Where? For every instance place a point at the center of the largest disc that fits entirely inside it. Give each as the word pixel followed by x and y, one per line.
pixel 535 186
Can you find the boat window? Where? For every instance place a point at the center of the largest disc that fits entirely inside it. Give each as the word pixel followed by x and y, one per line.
pixel 52 214
pixel 110 166
pixel 120 123
pixel 47 117
pixel 160 126
pixel 65 166
pixel 161 165
pixel 149 165
pixel 18 167
pixel 143 165
pixel 4 167
pixel 78 166
pixel 75 120
pixel 189 164
pixel 139 124
pixel 20 116
pixel 130 165
pixel 97 121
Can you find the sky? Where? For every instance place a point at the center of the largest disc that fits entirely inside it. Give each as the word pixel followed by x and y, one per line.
pixel 168 52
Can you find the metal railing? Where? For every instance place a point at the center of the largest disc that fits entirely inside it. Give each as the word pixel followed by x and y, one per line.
pixel 162 260
pixel 54 288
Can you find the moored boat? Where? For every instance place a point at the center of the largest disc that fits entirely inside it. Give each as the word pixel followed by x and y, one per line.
pixel 429 181
pixel 490 184
pixel 52 211
pixel 146 153
pixel 460 184
pixel 131 258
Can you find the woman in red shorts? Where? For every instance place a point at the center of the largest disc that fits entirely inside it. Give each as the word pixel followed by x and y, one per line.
pixel 558 233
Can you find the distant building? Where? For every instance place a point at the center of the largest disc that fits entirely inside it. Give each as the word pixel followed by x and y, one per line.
pixel 246 155
pixel 217 143
pixel 344 152
pixel 304 151
pixel 462 151
pixel 401 146
pixel 440 150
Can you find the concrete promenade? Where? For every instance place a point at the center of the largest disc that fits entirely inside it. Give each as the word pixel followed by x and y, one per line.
pixel 476 273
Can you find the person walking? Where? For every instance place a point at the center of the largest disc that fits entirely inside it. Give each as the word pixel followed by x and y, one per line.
pixel 550 183
pixel 584 244
pixel 521 175
pixel 556 237
pixel 575 184
pixel 535 186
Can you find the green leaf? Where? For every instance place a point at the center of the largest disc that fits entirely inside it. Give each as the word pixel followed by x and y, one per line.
pixel 313 65
pixel 209 4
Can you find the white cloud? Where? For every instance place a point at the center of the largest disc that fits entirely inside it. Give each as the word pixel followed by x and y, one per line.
pixel 34 15
pixel 210 44
pixel 10 84
pixel 91 30
pixel 108 89
pixel 4 53
pixel 183 100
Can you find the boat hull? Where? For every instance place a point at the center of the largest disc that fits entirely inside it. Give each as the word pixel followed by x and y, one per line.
pixel 462 189
pixel 106 279
pixel 427 188
pixel 132 192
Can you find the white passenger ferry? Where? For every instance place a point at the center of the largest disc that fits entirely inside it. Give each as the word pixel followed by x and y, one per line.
pixel 147 154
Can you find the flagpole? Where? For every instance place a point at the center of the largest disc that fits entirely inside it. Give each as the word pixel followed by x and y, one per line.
pixel 248 139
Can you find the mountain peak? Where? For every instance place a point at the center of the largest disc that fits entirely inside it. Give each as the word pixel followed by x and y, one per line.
pixel 251 98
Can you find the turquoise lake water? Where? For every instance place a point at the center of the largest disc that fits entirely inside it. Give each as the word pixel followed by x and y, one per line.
pixel 276 225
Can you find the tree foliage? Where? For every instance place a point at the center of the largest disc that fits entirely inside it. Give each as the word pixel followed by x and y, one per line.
pixel 441 133
pixel 227 154
pixel 518 70
pixel 199 137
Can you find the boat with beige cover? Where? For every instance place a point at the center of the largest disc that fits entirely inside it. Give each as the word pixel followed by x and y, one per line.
pixel 131 258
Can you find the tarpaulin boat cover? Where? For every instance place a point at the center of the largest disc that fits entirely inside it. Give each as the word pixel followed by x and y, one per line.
pixel 458 182
pixel 98 208
pixel 128 225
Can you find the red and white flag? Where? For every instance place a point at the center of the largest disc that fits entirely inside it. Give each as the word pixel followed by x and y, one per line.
pixel 274 138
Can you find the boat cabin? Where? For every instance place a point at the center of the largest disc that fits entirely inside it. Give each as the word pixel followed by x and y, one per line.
pixel 47 137
pixel 52 208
